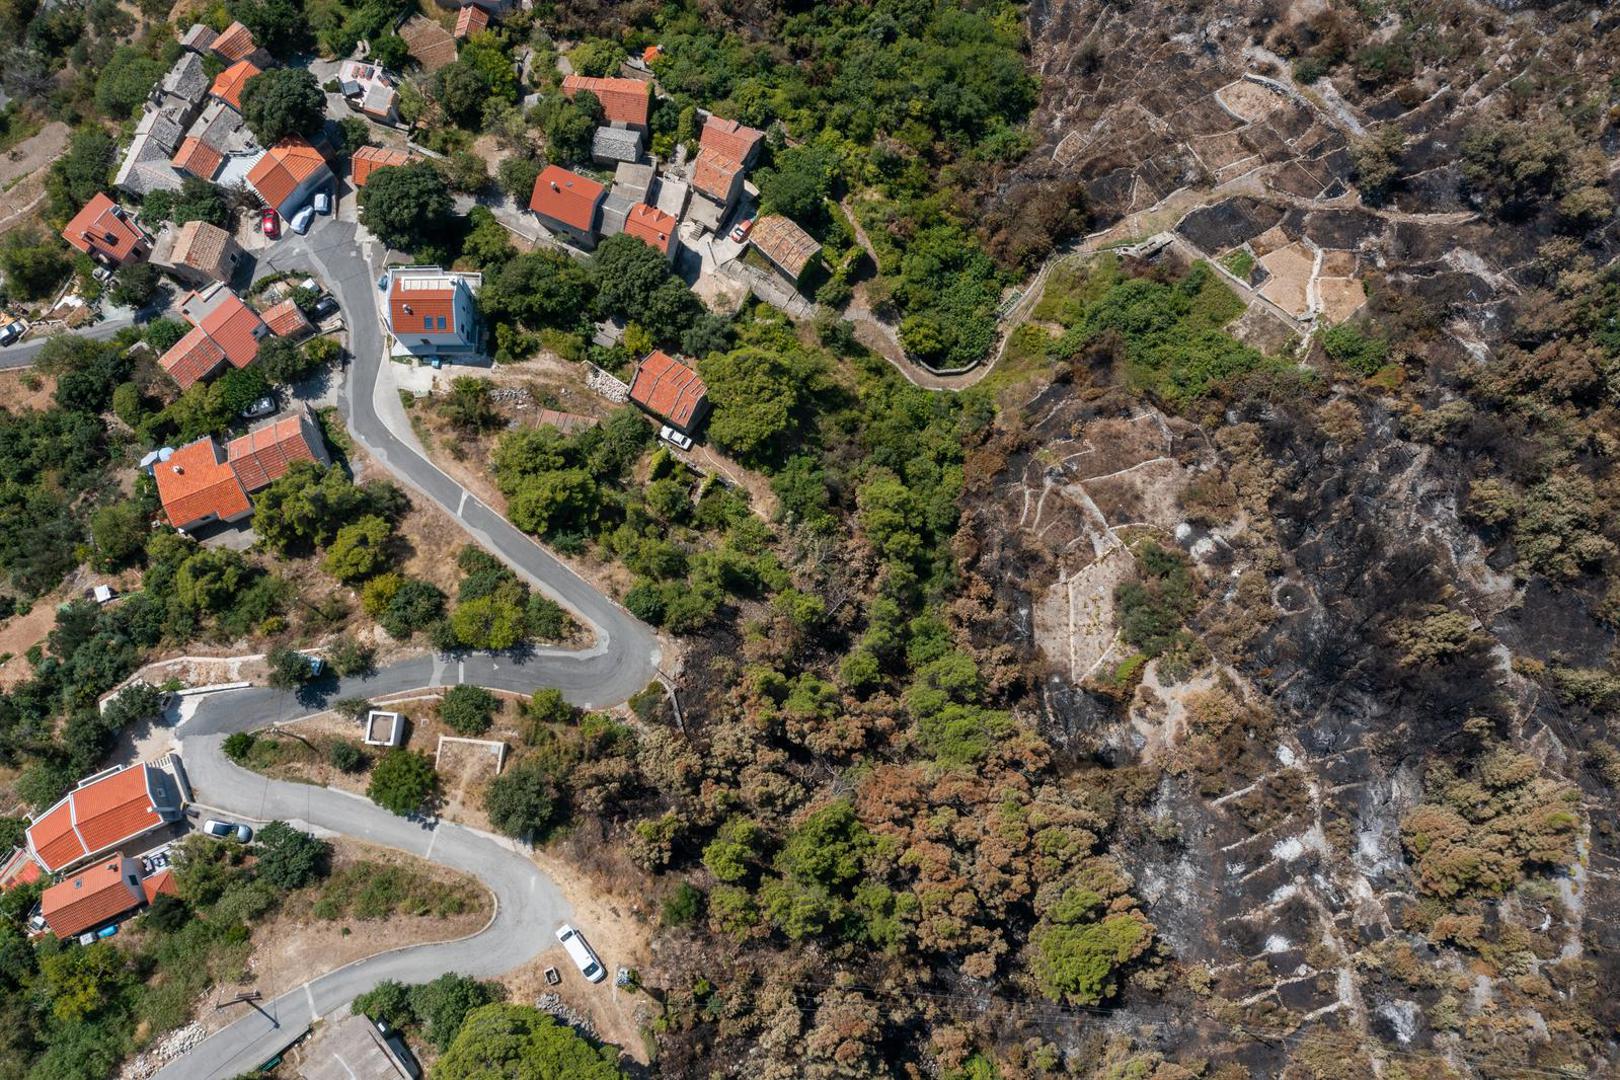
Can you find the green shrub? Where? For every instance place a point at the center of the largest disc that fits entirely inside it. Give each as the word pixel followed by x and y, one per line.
pixel 469 709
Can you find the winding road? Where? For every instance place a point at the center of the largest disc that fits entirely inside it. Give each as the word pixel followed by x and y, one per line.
pixel 623 660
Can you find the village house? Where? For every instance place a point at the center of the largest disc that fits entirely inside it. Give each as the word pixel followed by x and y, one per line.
pixel 731 140
pixel 671 391
pixel 107 233
pixel 198 158
pixel 287 320
pixel 103 812
pixel 471 20
pixel 611 145
pixel 236 43
pixel 228 84
pixel 634 181
pixel 289 174
pixel 197 253
pixel 145 167
pixel 568 203
pixel 428 43
pixel 370 90
pixel 431 312
pixel 718 183
pixel 788 248
pixel 100 895
pixel 202 482
pixel 625 102
pixel 652 226
pixel 224 330
pixel 368 159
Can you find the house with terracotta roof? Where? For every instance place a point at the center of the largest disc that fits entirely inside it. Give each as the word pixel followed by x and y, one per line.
pixel 198 158
pixel 197 253
pixel 471 20
pixel 368 159
pixel 224 331
pixel 235 43
pixel 100 895
pixel 718 180
pixel 104 811
pixel 788 248
pixel 731 140
pixel 428 43
pixel 228 84
pixel 107 233
pixel 567 203
pixel 203 482
pixel 652 225
pixel 18 869
pixel 431 312
pixel 368 89
pixel 289 174
pixel 287 320
pixel 625 102
pixel 671 391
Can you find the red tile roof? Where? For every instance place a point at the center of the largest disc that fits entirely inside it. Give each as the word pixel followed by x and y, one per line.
pixel 283 168
pixel 191 358
pixel 236 328
pixel 198 158
pixel 729 138
pixel 784 243
pixel 624 101
pixel 20 868
pixel 714 174
pixel 668 388
pixel 265 453
pixel 159 884
pixel 566 197
pixel 96 816
pixel 196 482
pixel 92 899
pixel 410 300
pixel 471 20
pixel 235 43
pixel 368 159
pixel 228 86
pixel 286 319
pixel 652 225
pixel 102 227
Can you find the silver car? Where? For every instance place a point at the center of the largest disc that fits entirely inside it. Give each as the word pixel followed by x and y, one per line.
pixel 227 830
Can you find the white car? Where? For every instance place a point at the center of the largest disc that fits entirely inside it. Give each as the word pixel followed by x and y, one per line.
pixel 580 953
pixel 301 220
pixel 12 331
pixel 323 203
pixel 227 830
pixel 675 438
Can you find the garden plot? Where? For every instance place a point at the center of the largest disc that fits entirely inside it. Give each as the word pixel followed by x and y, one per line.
pixel 1289 271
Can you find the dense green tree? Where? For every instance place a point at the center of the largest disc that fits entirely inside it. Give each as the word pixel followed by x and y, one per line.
pixel 551 501
pixel 523 1043
pixel 539 289
pixel 134 285
pixel 402 781
pixel 119 532
pixel 518 175
pixel 34 263
pixel 406 206
pixel 522 802
pixel 197 200
pixel 289 669
pixel 125 80
pixel 442 1005
pixel 288 858
pixel 279 25
pixel 282 102
pixel 77 176
pixel 759 397
pixel 797 185
pixel 360 549
pixel 468 709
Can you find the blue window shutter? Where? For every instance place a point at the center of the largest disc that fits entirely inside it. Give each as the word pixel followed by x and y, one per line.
pixel 441 322
pixel 427 322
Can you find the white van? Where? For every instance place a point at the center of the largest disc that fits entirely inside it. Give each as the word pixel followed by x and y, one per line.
pixel 580 953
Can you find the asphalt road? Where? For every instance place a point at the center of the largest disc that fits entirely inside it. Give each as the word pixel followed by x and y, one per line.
pixel 24 353
pixel 528 904
pixel 622 660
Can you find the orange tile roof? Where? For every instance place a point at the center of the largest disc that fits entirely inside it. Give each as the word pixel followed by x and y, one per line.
pixel 203 245
pixel 265 453
pixel 651 53
pixel 427 42
pixel 198 158
pixel 668 388
pixel 191 358
pixel 101 227
pixel 368 159
pixel 471 20
pixel 92 899
pixel 95 816
pixel 235 43
pixel 410 300
pixel 650 224
pixel 283 168
pixel 286 319
pixel 20 868
pixel 566 197
pixel 236 328
pixel 159 884
pixel 729 138
pixel 624 101
pixel 196 482
pixel 714 174
pixel 228 85
pixel 784 243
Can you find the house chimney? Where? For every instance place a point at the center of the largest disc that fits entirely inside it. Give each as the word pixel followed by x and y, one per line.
pixel 177 469
pixel 554 186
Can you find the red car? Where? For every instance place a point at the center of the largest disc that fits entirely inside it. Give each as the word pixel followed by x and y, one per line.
pixel 743 228
pixel 270 224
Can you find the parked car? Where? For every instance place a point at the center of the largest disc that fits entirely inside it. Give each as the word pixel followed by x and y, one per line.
pixel 301 220
pixel 12 331
pixel 317 666
pixel 675 438
pixel 227 830
pixel 741 230
pixel 263 407
pixel 382 283
pixel 270 224
pixel 326 308
pixel 580 953
pixel 323 203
